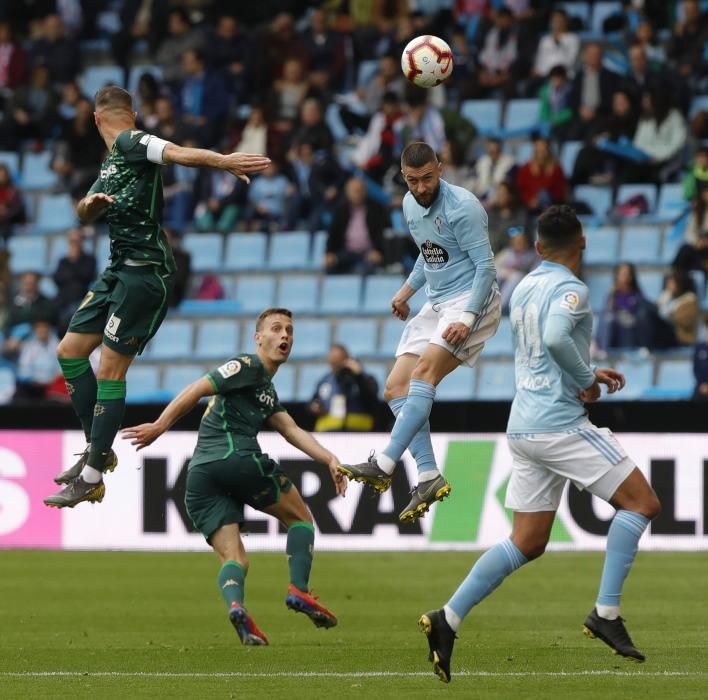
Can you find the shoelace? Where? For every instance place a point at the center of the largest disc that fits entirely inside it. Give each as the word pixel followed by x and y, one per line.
pixel 622 631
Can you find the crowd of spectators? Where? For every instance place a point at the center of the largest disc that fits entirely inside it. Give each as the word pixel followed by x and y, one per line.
pixel 282 78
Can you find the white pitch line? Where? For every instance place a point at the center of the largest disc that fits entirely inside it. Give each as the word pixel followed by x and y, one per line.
pixel 353 674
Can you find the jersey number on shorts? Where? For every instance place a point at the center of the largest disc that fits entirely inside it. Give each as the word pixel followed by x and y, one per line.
pixel 528 335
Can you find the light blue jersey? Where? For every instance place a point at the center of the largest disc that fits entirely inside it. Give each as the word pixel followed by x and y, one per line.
pixel 552 326
pixel 455 256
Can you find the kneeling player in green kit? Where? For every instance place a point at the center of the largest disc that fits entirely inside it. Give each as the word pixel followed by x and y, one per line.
pixel 228 469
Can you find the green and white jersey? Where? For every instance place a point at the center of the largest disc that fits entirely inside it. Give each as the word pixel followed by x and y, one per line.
pixel 134 219
pixel 245 399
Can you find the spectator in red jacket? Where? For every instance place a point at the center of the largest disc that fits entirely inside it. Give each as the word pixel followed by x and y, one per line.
pixel 12 207
pixel 13 60
pixel 541 182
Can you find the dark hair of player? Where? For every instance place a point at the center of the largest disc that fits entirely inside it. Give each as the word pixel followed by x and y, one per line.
pixel 417 154
pixel 275 311
pixel 114 98
pixel 559 227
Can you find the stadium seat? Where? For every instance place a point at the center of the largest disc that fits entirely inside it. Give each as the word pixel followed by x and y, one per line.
pixel 334 121
pixel 58 247
pixel 379 371
pixel 484 114
pixel 340 294
pixel 568 154
pixel 601 11
pixel 632 190
pixel 676 376
pixel 638 376
pixel 103 252
pixel 173 340
pixel 308 377
pixel 289 251
pixel 358 336
pixel 27 254
pixel 524 152
pixel 11 159
pixel 500 344
pixel 55 213
pixel 521 117
pixel 245 251
pixel 137 71
pixel 367 71
pixel 640 244
pixel 602 245
pixel 48 287
pixel 176 377
pixel 255 292
pixel 298 293
pixel 36 173
pixel 143 383
pixel 457 386
pixel 698 104
pixel 390 336
pixel 378 292
pixel 651 282
pixel 599 284
pixel 209 307
pixel 217 339
pixel 671 202
pixel 7 385
pixel 205 249
pixel 319 246
pixel 96 77
pixel 495 380
pixel 581 10
pixel 284 382
pixel 598 198
pixel 312 339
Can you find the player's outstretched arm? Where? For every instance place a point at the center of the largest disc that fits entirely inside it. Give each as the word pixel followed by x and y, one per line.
pixel 611 378
pixel 146 433
pixel 238 164
pixel 297 437
pixel 92 206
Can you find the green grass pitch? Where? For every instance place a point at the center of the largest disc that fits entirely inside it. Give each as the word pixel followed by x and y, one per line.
pixel 152 625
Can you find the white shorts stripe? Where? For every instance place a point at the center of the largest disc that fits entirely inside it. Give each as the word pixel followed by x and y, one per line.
pixel 610 454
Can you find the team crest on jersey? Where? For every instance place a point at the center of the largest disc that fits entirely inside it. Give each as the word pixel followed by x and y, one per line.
pixel 570 301
pixel 438 224
pixel 229 369
pixel 433 254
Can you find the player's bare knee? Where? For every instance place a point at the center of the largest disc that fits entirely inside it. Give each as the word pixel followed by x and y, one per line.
pixel 530 547
pixel 425 371
pixel 650 506
pixel 394 390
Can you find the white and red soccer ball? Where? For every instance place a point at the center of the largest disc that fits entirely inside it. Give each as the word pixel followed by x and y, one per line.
pixel 427 61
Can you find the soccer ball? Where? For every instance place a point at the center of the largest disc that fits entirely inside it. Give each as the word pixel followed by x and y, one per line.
pixel 427 61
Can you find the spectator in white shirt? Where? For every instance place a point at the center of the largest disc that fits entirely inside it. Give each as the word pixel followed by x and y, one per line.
pixel 491 169
pixel 558 48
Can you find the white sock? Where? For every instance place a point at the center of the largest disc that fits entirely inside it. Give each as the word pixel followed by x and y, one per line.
pixel 427 476
pixel 91 475
pixel 453 619
pixel 386 464
pixel 608 612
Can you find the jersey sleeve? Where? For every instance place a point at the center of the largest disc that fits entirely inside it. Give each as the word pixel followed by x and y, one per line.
pixel 140 147
pixel 95 188
pixel 570 300
pixel 238 373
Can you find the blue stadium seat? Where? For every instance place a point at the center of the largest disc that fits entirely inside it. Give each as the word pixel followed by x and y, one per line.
pixel 308 378
pixel 379 371
pixel 312 339
pixel 391 330
pixel 7 385
pixel 524 152
pixel 319 246
pixel 631 190
pixel 217 339
pixel 48 287
pixel 27 254
pixel 96 77
pixel 137 71
pixel 599 284
pixel 601 11
pixel 640 244
pixel 367 71
pixel 206 250
pixel 698 104
pixel 340 294
pixel 484 114
pixel 500 344
pixel 676 376
pixel 176 377
pixel 495 380
pixel 521 117
pixel 11 159
pixel 245 251
pixel 671 202
pixel 55 213
pixel 457 386
pixel 378 292
pixel 358 336
pixel 638 376
pixel 335 123
pixel 36 173
pixel 651 282
pixel 284 382
pixel 255 292
pixel 602 245
pixel 143 383
pixel 598 198
pixel 581 10
pixel 298 293
pixel 568 154
pixel 289 251
pixel 173 340
pixel 103 252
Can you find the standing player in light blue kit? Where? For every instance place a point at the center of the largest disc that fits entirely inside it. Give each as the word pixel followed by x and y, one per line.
pixel 463 310
pixel 552 441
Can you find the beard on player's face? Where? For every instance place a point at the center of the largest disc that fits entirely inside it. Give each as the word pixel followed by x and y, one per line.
pixel 426 199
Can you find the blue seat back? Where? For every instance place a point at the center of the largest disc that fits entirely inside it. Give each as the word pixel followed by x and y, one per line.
pixel 521 116
pixel 457 386
pixel 245 251
pixel 176 377
pixel 143 383
pixel 36 173
pixel 27 254
pixel 484 114
pixel 641 244
pixel 255 293
pixel 598 198
pixel 340 294
pixel 599 284
pixel 284 382
pixel 500 343
pixel 289 251
pixel 173 340
pixel 299 293
pixel 206 251
pixel 55 213
pixel 676 375
pixel 309 376
pixel 629 190
pixel 359 336
pixel 217 339
pixel 378 292
pixel 639 375
pixel 602 245
pixel 312 338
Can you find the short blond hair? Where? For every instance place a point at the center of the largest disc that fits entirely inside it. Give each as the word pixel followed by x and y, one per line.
pixel 114 98
pixel 274 311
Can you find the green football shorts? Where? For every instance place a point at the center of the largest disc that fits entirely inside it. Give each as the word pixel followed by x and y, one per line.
pixel 127 304
pixel 217 491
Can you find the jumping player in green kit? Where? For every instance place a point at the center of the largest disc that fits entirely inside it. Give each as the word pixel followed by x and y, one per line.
pixel 228 469
pixel 128 302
